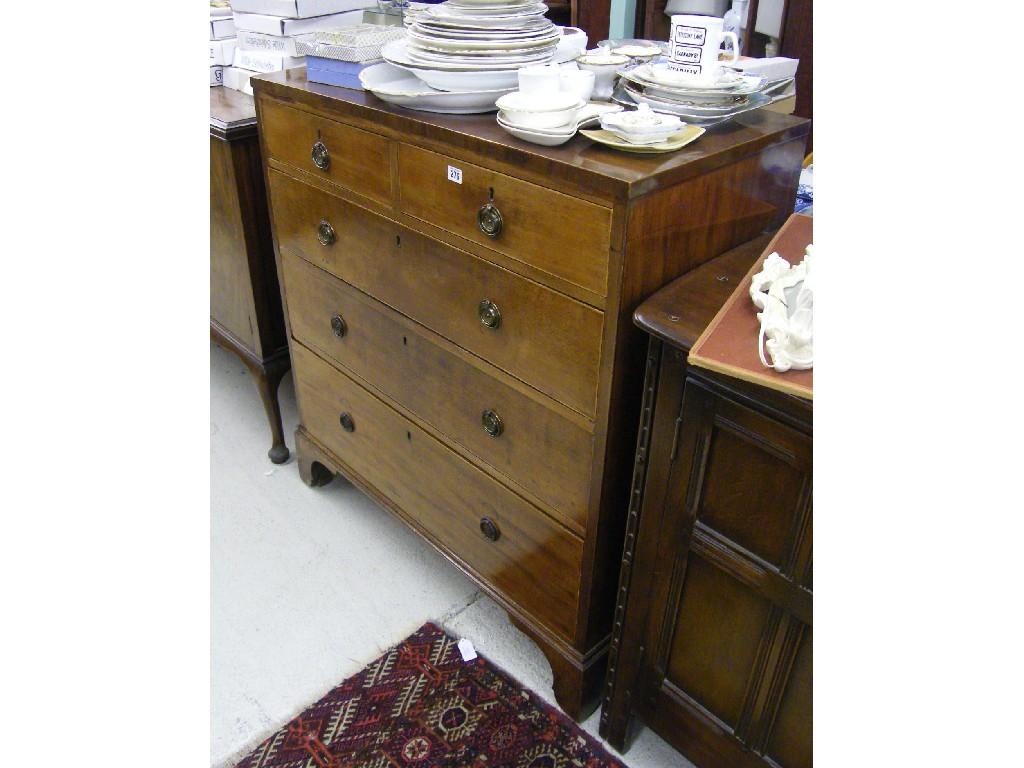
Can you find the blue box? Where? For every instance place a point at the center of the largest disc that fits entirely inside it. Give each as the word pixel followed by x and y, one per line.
pixel 334 72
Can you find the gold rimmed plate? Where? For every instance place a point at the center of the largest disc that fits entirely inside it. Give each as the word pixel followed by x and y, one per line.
pixel 687 135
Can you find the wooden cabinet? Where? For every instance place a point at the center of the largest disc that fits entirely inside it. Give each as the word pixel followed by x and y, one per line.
pixel 459 309
pixel 245 300
pixel 713 641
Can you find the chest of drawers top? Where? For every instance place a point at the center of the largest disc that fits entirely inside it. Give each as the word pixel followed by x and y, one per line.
pixel 579 167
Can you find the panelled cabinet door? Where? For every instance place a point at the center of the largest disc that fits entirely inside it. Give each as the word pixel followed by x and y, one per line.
pixel 731 647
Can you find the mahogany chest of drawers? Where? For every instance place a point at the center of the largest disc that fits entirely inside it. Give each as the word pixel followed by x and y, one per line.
pixel 459 305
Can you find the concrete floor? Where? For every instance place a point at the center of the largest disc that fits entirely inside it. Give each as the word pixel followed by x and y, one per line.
pixel 309 585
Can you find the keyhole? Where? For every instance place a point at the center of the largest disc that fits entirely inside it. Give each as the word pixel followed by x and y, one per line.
pixel 398 240
pixel 408 436
pixel 405 341
pixel 491 192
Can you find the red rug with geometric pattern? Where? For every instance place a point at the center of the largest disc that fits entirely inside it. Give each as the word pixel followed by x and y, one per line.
pixel 421 706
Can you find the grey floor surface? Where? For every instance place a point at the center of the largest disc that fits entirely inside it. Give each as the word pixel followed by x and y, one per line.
pixel 309 585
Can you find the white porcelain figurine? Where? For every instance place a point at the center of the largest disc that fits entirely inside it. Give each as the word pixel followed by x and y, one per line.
pixel 785 296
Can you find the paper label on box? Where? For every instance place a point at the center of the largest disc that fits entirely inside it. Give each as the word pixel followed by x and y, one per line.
pixel 454 174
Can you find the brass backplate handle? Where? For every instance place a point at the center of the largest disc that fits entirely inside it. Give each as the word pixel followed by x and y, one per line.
pixel 489 529
pixel 490 315
pixel 325 233
pixel 488 218
pixel 321 157
pixel 339 326
pixel 493 425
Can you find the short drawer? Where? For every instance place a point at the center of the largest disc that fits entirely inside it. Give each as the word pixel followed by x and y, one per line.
pixel 540 336
pixel 530 559
pixel 351 157
pixel 544 452
pixel 561 235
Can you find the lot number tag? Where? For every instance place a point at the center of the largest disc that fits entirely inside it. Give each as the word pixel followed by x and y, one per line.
pixel 454 174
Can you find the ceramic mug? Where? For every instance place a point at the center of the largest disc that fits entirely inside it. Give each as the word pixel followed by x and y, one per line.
pixel 696 43
pixel 578 81
pixel 539 79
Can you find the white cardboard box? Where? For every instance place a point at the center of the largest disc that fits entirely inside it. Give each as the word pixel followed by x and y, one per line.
pixel 238 79
pixel 222 27
pixel 261 61
pixel 257 41
pixel 299 9
pixel 222 51
pixel 276 25
pixel 216 75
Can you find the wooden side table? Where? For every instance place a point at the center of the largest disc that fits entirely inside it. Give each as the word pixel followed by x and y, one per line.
pixel 712 635
pixel 245 299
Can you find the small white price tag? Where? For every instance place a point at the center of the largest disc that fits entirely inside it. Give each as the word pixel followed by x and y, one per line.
pixel 467 650
pixel 454 174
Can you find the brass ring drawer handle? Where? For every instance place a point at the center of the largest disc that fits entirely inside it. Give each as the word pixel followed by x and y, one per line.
pixel 325 233
pixel 489 529
pixel 490 315
pixel 488 218
pixel 321 157
pixel 493 425
pixel 339 326
pixel 347 423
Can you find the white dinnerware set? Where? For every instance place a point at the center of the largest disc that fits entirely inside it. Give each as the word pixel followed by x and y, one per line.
pixel 694 98
pixel 467 53
pixel 550 105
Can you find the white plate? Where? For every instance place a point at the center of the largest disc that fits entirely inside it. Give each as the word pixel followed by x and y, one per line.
pixel 489 3
pixel 626 95
pixel 545 139
pixel 743 87
pixel 474 75
pixel 483 17
pixel 661 74
pixel 458 46
pixel 399 86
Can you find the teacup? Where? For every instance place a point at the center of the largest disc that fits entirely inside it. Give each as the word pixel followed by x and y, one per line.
pixel 578 81
pixel 605 66
pixel 539 79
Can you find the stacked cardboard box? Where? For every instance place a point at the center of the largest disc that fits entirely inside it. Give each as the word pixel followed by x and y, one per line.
pixel 269 29
pixel 222 40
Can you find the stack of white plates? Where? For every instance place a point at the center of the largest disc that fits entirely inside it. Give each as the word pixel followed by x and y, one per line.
pixel 699 101
pixel 475 36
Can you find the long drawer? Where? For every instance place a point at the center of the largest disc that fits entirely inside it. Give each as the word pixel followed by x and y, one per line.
pixel 542 451
pixel 542 337
pixel 562 235
pixel 509 543
pixel 351 157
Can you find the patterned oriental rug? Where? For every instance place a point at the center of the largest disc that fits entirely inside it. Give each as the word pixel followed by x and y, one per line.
pixel 421 706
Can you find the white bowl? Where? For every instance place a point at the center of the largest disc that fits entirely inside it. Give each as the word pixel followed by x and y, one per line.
pixel 554 118
pixel 520 101
pixel 536 137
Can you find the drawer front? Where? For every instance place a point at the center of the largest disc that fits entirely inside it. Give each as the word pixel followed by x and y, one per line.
pixel 534 446
pixel 533 561
pixel 564 236
pixel 540 336
pixel 351 157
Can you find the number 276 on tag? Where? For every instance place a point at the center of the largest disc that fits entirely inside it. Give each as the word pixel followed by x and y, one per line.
pixel 454 174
